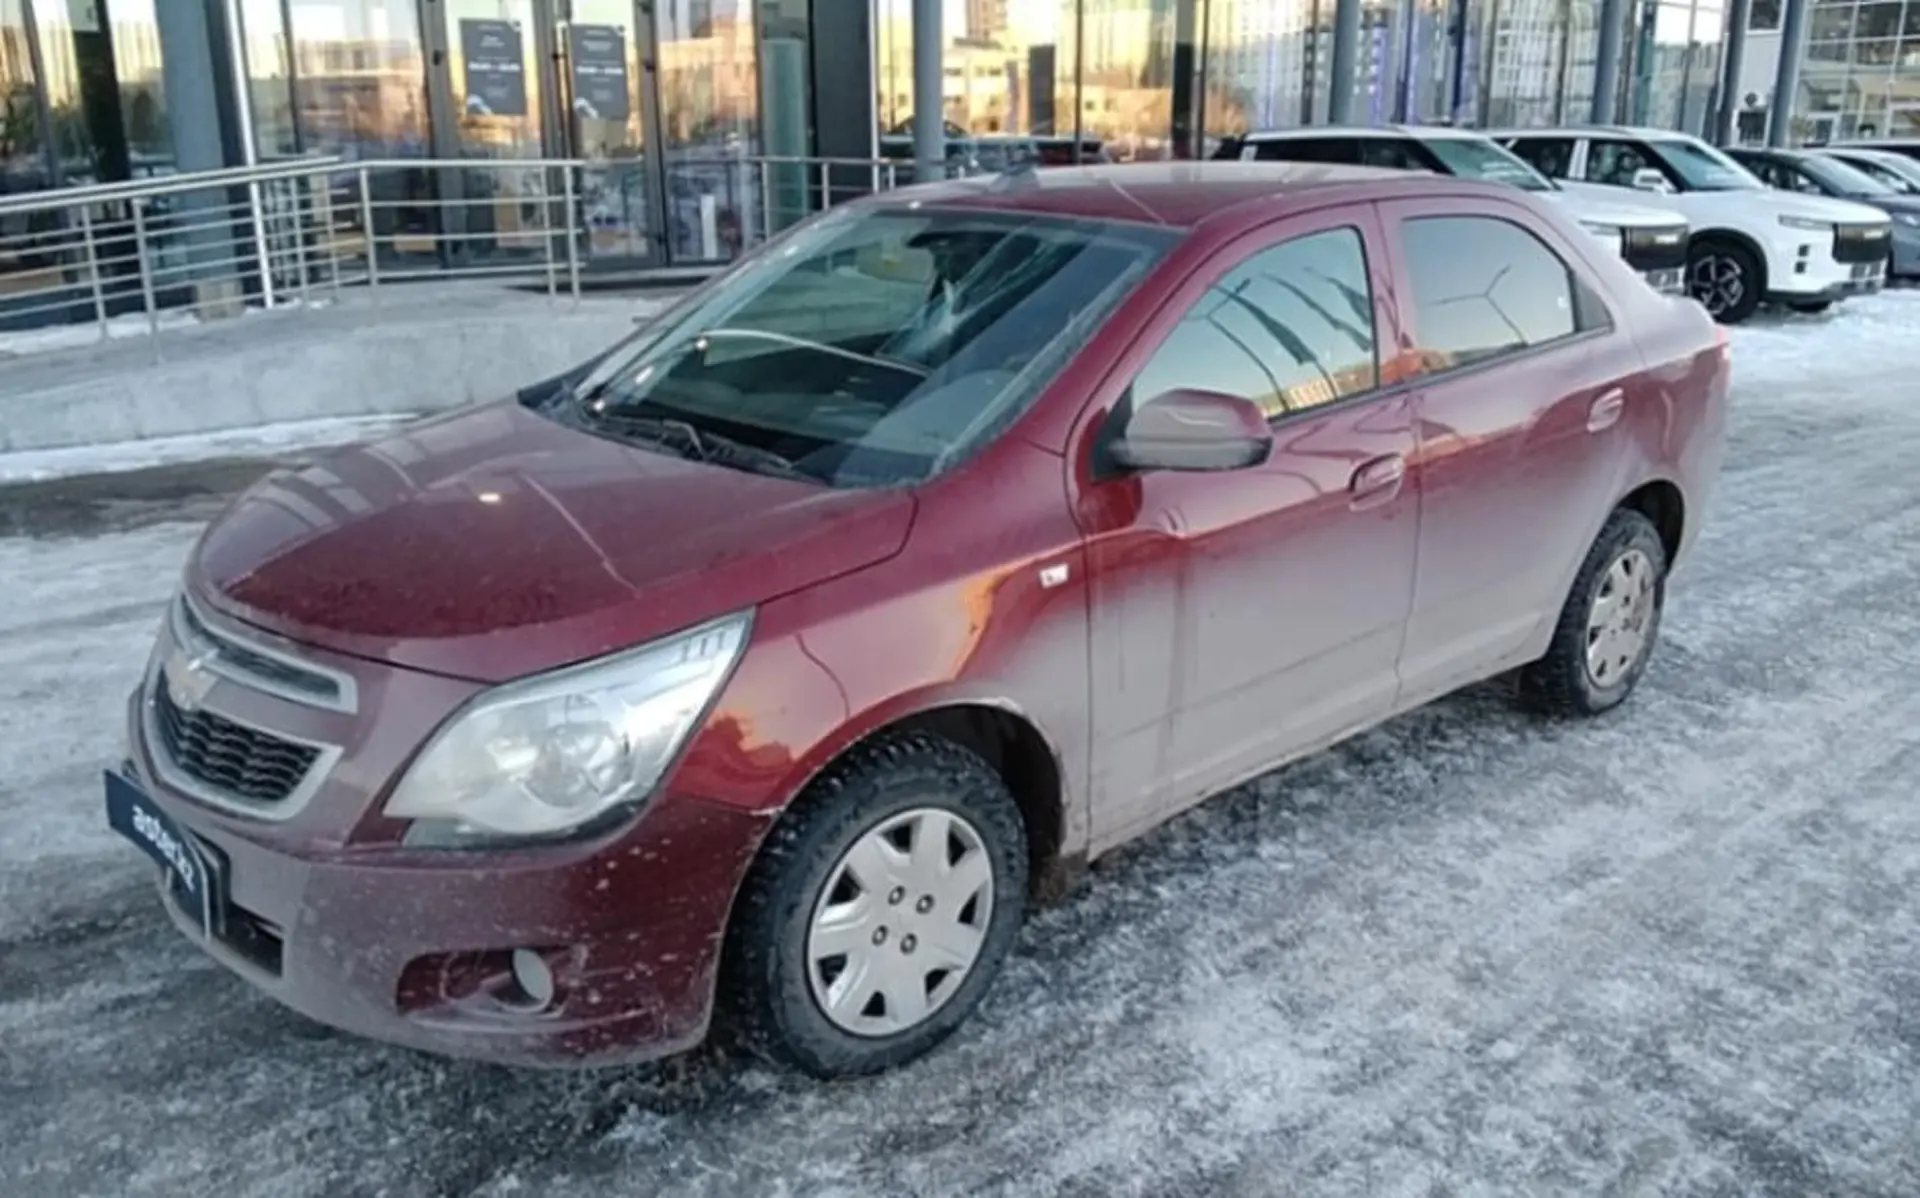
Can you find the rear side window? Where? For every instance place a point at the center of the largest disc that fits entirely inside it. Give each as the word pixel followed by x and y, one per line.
pixel 1484 288
pixel 1337 150
pixel 1551 156
pixel 1290 328
pixel 1394 154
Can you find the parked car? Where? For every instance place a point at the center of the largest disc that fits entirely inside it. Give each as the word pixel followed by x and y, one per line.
pixel 1822 175
pixel 1906 147
pixel 1895 170
pixel 1652 240
pixel 1750 244
pixel 768 664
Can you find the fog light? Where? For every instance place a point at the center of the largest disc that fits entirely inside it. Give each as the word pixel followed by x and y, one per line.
pixel 535 979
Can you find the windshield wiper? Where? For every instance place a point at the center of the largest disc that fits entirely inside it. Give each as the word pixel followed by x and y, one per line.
pixel 690 443
pixel 727 451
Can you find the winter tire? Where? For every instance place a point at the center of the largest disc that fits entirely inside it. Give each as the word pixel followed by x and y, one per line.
pixel 879 911
pixel 1609 625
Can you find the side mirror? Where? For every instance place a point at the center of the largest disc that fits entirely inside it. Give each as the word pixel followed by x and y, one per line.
pixel 1192 430
pixel 1649 178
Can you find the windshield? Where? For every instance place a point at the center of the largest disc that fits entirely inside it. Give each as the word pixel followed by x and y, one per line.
pixel 1839 177
pixel 1895 170
pixel 1473 158
pixel 1703 168
pixel 871 347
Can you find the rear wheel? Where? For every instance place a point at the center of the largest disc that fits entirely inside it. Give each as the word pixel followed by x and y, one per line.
pixel 880 910
pixel 1726 278
pixel 1811 307
pixel 1609 624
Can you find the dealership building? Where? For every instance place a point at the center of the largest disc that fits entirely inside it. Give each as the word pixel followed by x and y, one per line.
pixel 697 116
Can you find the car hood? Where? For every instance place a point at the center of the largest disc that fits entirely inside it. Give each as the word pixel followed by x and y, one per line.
pixel 495 543
pixel 1761 201
pixel 1824 209
pixel 1624 216
pixel 1902 205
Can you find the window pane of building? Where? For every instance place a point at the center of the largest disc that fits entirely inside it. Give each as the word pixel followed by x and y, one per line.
pixel 360 78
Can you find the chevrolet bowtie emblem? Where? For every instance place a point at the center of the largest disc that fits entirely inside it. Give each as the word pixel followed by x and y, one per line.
pixel 188 679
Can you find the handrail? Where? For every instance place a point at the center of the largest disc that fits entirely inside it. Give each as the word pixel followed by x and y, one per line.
pixel 135 189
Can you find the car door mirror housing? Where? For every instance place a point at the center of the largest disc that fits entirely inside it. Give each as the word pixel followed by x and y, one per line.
pixel 1192 430
pixel 1649 178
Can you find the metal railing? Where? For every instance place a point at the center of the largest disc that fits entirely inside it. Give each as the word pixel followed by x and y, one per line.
pixel 145 256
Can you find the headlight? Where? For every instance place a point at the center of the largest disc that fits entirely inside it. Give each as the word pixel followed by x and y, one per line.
pixel 1610 234
pixel 551 753
pixel 1810 226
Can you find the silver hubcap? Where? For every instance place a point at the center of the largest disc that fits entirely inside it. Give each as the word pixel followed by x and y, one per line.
pixel 902 919
pixel 1718 282
pixel 1621 619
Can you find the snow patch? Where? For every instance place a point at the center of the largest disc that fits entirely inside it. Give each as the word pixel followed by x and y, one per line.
pixel 39 465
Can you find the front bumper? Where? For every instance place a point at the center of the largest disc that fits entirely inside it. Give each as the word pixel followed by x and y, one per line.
pixel 1819 281
pixel 1667 280
pixel 413 947
pixel 1906 251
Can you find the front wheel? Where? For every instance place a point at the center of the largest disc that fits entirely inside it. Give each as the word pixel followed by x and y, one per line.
pixel 1609 624
pixel 880 910
pixel 1726 278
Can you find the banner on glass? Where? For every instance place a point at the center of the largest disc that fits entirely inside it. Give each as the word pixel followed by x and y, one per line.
pixel 495 59
pixel 599 58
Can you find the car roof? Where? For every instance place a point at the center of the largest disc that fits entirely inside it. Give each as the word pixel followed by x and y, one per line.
pixel 1173 194
pixel 1640 132
pixel 1429 132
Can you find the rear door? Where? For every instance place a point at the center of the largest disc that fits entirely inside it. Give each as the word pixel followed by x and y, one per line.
pixel 1245 616
pixel 1522 399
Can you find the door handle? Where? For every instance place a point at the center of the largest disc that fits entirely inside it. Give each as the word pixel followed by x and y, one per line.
pixel 1605 412
pixel 1378 481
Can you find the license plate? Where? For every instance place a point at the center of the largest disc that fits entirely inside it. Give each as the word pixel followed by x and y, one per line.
pixel 1866 270
pixel 190 874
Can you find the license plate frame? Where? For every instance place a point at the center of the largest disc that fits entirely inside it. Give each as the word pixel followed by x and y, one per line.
pixel 193 874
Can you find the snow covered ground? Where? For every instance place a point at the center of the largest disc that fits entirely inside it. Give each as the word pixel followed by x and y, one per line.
pixel 38 465
pixel 1674 951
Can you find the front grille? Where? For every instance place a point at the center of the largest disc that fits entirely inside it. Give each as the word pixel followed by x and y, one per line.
pixel 1861 243
pixel 270 673
pixel 1655 249
pixel 231 758
pixel 271 670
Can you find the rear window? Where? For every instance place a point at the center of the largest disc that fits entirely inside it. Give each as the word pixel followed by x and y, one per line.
pixel 872 347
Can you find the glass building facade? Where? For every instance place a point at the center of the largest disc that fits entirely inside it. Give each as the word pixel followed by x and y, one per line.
pixel 675 102
pixel 1861 75
pixel 1118 71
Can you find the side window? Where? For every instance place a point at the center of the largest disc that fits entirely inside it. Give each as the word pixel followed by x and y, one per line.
pixel 1794 179
pixel 1290 328
pixel 1616 162
pixel 1551 156
pixel 1484 287
pixel 1392 153
pixel 1338 150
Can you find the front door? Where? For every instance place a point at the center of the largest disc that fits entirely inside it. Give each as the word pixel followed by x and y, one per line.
pixel 1240 618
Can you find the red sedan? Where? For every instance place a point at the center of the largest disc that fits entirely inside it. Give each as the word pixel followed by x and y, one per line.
pixel 774 662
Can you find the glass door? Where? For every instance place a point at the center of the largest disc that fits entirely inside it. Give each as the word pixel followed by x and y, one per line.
pixel 496 107
pixel 603 123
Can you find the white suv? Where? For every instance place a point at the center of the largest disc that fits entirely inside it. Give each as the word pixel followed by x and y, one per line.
pixel 1653 240
pixel 1750 243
